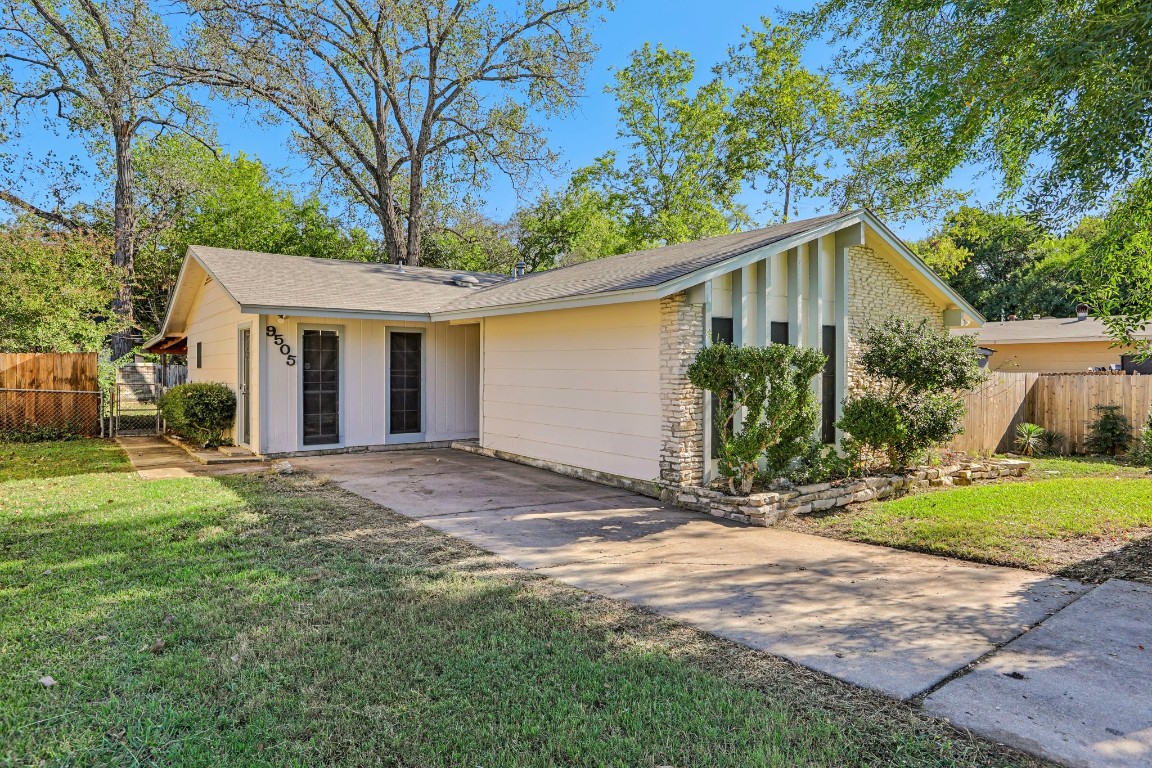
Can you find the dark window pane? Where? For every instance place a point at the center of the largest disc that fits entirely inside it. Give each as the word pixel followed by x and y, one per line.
pixel 722 330
pixel 320 355
pixel 404 383
pixel 828 386
pixel 779 333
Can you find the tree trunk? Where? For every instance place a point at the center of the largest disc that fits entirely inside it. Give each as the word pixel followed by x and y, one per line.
pixel 124 251
pixel 415 211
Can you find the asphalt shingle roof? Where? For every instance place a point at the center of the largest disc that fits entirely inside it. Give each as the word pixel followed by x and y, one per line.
pixel 302 283
pixel 1046 329
pixel 641 269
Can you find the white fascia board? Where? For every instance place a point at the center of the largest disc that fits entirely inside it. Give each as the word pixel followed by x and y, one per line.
pixel 898 245
pixel 742 260
pixel 263 309
pixel 568 302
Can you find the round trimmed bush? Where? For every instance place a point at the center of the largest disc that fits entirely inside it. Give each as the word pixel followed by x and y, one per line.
pixel 201 411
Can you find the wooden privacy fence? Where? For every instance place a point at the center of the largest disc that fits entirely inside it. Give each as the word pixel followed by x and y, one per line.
pixel 49 392
pixel 1062 403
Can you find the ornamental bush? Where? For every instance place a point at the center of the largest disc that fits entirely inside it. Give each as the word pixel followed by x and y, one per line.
pixel 765 406
pixel 915 374
pixel 200 411
pixel 1111 432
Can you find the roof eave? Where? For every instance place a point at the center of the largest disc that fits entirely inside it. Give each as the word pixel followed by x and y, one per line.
pixel 344 314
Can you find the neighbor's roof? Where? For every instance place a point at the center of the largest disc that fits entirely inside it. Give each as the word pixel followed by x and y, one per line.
pixel 629 271
pixel 1044 330
pixel 302 283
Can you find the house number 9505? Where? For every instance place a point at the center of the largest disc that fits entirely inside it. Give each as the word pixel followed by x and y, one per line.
pixel 278 340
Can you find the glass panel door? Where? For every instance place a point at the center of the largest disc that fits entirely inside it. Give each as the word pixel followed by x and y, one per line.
pixel 404 383
pixel 320 356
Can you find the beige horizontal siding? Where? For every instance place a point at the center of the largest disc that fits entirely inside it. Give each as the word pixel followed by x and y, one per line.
pixel 578 387
pixel 1053 357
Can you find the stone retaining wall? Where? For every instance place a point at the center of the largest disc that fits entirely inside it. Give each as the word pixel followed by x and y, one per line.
pixel 764 509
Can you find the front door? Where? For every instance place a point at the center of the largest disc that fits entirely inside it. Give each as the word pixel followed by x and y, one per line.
pixel 405 415
pixel 244 386
pixel 320 358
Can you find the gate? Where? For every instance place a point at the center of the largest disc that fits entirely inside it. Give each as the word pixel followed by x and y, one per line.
pixel 135 401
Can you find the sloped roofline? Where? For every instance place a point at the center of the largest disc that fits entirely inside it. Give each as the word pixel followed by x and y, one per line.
pixel 674 285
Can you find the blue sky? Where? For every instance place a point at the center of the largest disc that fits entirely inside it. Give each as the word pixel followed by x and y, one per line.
pixel 703 29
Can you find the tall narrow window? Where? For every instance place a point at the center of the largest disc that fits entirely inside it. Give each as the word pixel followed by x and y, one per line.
pixel 199 354
pixel 828 386
pixel 404 384
pixel 722 331
pixel 320 355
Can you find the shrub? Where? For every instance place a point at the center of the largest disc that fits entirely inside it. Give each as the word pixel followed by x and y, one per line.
pixel 915 373
pixel 1029 439
pixel 1053 443
pixel 41 433
pixel 765 405
pixel 1141 453
pixel 201 411
pixel 820 463
pixel 1110 432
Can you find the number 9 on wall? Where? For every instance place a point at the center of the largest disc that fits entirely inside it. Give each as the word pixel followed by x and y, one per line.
pixel 278 339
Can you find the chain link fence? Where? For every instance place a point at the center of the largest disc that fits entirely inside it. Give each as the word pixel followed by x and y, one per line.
pixel 51 414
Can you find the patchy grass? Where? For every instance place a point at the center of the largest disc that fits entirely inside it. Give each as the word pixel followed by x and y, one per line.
pixel 58 459
pixel 1046 468
pixel 1044 524
pixel 301 625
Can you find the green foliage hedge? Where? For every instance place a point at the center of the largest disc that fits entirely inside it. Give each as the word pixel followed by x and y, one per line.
pixel 200 411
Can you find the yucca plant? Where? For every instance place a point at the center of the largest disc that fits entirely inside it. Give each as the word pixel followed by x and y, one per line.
pixel 1029 439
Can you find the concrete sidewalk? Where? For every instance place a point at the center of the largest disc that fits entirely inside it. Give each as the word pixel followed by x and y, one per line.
pixel 894 621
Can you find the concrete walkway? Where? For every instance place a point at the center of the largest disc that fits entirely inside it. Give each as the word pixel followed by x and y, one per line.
pixel 154 458
pixel 894 621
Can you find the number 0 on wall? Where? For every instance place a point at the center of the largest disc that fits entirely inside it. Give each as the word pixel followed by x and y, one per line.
pixel 278 339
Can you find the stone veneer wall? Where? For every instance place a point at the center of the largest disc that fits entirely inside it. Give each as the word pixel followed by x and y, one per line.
pixel 764 509
pixel 681 404
pixel 877 291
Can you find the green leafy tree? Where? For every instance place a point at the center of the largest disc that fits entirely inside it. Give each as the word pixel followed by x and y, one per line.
pixel 58 286
pixel 1117 268
pixel 1006 263
pixel 1055 96
pixel 676 182
pixel 189 195
pixel 397 103
pixel 784 118
pixel 914 374
pixel 105 72
pixel 576 225
pixel 765 405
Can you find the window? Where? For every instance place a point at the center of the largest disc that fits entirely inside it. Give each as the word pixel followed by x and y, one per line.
pixel 779 333
pixel 199 354
pixel 828 386
pixel 722 330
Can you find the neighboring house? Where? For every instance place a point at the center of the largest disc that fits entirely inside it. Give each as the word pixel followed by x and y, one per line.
pixel 581 367
pixel 1052 345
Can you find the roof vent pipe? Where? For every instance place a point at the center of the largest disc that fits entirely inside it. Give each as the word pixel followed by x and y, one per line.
pixel 1081 312
pixel 520 267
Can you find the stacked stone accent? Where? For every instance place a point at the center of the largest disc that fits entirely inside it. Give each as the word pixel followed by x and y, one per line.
pixel 681 404
pixel 877 291
pixel 764 509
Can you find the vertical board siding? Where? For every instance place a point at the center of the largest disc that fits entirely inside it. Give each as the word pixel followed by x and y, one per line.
pixel 1062 403
pixel 58 373
pixel 451 382
pixel 578 387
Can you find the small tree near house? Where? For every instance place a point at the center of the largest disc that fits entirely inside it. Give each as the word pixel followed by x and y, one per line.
pixel 765 405
pixel 916 374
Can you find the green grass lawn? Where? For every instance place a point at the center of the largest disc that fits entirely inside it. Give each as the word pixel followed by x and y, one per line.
pixel 1044 468
pixel 73 457
pixel 301 625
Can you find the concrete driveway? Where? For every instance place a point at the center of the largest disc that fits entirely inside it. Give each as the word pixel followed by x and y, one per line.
pixel 893 621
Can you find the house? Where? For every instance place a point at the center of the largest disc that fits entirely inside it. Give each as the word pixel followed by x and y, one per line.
pixel 580 369
pixel 1053 345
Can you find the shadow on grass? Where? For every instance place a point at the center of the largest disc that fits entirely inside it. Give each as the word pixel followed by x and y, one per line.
pixel 303 625
pixel 1133 561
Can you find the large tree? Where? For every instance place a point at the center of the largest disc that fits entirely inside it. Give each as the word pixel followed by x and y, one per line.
pixel 1054 95
pixel 784 118
pixel 102 71
pixel 57 287
pixel 190 195
pixel 676 181
pixel 392 101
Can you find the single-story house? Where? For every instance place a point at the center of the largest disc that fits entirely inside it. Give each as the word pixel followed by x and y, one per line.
pixel 580 368
pixel 1053 345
